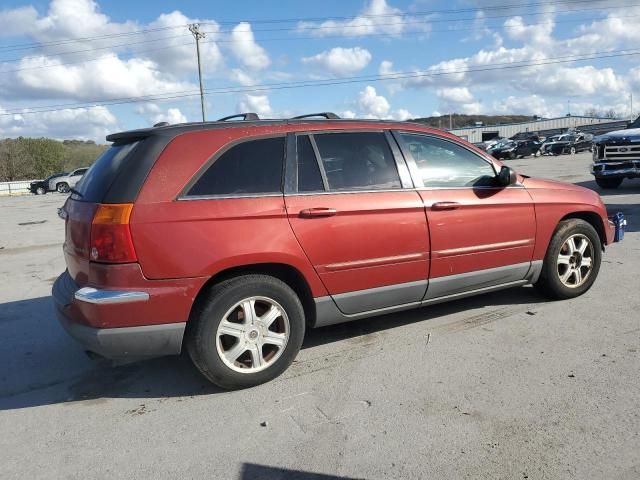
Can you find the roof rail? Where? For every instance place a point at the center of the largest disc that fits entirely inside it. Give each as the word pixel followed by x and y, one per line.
pixel 244 116
pixel 327 115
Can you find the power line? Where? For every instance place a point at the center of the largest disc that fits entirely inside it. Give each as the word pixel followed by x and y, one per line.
pixel 326 82
pixel 318 28
pixel 296 20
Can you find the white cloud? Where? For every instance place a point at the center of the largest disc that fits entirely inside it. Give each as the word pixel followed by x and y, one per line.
pixel 372 105
pixel 245 48
pixel 376 17
pixel 47 73
pixel 107 77
pixel 455 94
pixel 92 123
pixel 240 76
pixel 171 116
pixel 14 21
pixel 255 103
pixel 340 61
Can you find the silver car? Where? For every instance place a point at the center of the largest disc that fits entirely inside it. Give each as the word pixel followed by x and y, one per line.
pixel 66 182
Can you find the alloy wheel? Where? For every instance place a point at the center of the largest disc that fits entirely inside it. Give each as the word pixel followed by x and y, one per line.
pixel 575 260
pixel 253 334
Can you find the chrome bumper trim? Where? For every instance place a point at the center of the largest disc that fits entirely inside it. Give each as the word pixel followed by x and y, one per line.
pixel 101 297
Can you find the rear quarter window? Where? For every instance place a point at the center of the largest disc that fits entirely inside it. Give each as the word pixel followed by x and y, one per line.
pixel 249 168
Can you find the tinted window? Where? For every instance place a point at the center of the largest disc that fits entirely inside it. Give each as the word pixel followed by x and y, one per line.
pixel 444 164
pixel 249 167
pixel 309 178
pixel 357 161
pixel 95 182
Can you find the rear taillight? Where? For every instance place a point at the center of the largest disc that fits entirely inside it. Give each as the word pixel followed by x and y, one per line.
pixel 111 240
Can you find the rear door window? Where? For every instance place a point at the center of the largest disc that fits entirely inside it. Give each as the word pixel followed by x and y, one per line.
pixel 251 167
pixel 357 161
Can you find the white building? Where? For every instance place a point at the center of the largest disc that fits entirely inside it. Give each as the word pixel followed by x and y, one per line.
pixel 550 125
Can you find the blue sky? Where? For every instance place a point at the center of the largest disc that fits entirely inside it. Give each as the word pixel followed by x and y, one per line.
pixel 73 58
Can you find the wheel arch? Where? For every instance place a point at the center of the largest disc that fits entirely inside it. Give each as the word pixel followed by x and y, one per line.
pixel 592 219
pixel 282 271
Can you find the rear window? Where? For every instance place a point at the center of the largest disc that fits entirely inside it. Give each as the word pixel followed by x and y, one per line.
pixel 97 180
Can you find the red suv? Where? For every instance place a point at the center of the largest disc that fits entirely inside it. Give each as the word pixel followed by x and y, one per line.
pixel 229 239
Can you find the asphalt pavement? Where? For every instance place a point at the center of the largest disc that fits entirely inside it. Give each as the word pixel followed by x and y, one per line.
pixel 504 385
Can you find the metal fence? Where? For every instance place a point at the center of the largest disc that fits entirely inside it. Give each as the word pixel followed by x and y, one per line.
pixel 14 188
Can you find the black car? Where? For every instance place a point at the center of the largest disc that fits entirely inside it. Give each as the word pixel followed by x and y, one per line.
pixel 40 187
pixel 514 149
pixel 570 144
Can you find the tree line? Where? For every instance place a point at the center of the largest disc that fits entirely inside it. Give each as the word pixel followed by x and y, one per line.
pixel 36 158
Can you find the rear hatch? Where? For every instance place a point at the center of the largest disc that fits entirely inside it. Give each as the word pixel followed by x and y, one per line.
pixel 98 188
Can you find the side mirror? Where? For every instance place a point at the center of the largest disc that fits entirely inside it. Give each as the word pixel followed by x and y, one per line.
pixel 507 176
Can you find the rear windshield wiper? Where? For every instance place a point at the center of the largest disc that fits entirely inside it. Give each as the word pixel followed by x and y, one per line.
pixel 73 190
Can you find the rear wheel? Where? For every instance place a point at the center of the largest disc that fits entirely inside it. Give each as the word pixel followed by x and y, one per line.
pixel 246 331
pixel 572 262
pixel 609 182
pixel 62 187
pixel 572 150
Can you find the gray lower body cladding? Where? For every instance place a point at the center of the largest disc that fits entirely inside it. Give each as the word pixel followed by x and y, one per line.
pixel 438 290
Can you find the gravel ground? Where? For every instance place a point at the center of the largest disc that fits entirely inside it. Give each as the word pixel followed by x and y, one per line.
pixel 506 385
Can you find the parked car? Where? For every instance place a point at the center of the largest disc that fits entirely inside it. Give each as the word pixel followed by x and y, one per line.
pixel 230 239
pixel 40 187
pixel 569 144
pixel 616 156
pixel 65 182
pixel 515 149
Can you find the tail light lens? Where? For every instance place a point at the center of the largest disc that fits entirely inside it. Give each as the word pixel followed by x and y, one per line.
pixel 111 240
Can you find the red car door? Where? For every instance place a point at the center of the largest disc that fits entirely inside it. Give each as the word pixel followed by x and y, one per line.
pixel 482 235
pixel 362 227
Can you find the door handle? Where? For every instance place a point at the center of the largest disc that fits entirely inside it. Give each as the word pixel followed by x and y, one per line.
pixel 445 206
pixel 318 212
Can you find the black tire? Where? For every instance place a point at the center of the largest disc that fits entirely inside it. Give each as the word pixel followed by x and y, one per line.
pixel 609 182
pixel 62 187
pixel 201 336
pixel 549 282
pixel 572 150
pixel 512 155
pixel 40 191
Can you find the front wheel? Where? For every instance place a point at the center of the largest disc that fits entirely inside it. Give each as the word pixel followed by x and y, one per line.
pixel 538 153
pixel 572 261
pixel 245 331
pixel 572 150
pixel 40 191
pixel 609 182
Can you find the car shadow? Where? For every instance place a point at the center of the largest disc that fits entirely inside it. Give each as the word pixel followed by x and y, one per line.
pixel 252 471
pixel 628 187
pixel 42 365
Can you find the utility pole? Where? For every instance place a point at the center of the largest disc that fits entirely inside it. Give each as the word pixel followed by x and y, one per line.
pixel 631 106
pixel 195 29
pixel 450 122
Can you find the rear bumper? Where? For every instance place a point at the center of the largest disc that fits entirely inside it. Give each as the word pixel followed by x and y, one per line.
pixel 114 343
